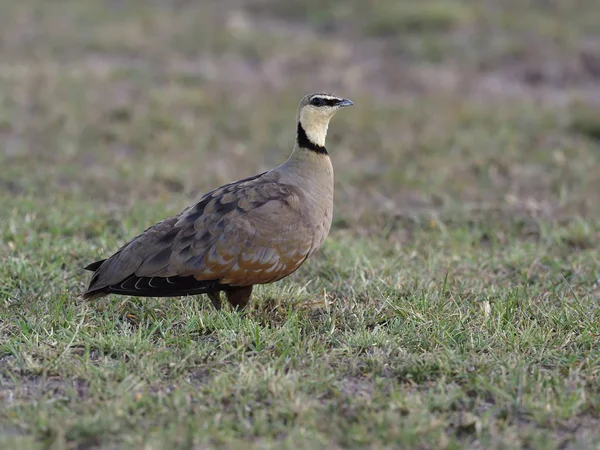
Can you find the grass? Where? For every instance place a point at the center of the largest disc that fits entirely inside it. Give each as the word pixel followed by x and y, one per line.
pixel 456 303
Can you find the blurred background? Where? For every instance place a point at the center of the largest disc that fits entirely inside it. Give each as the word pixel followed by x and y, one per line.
pixel 467 112
pixel 455 301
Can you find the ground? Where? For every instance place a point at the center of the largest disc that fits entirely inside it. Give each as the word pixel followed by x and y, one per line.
pixel 456 302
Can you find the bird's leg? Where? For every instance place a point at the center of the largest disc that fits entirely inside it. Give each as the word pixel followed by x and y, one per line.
pixel 238 297
pixel 215 298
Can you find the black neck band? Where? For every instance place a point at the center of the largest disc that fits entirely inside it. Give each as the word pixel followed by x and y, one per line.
pixel 305 142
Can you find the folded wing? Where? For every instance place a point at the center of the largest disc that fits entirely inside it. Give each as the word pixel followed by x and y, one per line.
pixel 245 233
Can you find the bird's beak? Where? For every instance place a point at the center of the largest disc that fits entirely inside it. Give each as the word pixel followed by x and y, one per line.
pixel 345 102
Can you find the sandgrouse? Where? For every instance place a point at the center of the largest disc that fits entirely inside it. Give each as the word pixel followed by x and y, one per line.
pixel 255 230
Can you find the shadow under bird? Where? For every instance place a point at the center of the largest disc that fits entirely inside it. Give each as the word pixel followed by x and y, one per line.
pixel 256 230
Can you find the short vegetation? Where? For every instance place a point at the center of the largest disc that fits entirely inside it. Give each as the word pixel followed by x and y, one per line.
pixel 456 303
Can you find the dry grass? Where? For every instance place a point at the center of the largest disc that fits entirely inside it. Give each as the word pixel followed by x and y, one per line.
pixel 456 302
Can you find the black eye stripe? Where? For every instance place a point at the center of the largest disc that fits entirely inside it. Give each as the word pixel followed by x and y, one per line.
pixel 320 101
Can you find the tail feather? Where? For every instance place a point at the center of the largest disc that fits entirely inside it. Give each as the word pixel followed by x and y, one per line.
pixel 93 295
pixel 94 266
pixel 137 286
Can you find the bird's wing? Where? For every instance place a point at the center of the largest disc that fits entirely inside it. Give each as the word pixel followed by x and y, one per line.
pixel 244 233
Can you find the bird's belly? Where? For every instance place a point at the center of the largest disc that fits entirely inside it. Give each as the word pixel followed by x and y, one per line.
pixel 268 264
pixel 321 230
pixel 274 252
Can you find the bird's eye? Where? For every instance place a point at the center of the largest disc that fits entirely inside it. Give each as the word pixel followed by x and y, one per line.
pixel 317 101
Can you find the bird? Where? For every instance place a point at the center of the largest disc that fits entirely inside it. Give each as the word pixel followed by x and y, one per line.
pixel 255 230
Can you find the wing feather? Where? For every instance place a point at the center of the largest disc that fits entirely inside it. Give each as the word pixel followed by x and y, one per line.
pixel 241 234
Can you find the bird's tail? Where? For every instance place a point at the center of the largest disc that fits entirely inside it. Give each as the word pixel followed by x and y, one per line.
pixel 92 294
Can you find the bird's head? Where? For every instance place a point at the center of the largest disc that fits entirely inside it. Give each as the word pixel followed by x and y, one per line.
pixel 314 113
